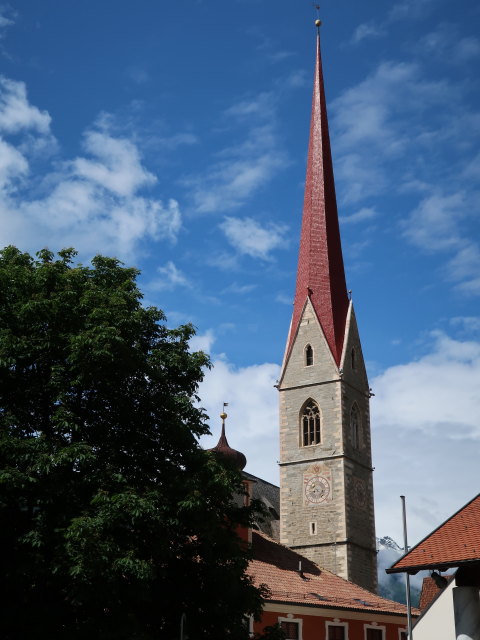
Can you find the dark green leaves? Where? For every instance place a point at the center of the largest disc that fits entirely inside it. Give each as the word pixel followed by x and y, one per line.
pixel 114 522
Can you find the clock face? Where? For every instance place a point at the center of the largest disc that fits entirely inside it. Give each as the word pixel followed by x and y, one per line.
pixel 317 489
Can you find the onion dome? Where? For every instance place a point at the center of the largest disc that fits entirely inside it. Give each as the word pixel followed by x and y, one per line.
pixel 224 450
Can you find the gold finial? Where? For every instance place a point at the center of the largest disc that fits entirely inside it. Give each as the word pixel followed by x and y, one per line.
pixel 318 22
pixel 223 415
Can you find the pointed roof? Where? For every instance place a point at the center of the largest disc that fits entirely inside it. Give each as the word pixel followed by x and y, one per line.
pixel 454 543
pixel 225 451
pixel 320 273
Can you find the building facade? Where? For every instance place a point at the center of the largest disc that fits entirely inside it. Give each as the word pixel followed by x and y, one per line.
pixel 311 603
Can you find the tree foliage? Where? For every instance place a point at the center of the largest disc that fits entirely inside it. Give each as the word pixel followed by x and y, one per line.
pixel 115 522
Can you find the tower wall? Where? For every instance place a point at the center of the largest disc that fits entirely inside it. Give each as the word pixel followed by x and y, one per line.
pixel 326 485
pixel 334 526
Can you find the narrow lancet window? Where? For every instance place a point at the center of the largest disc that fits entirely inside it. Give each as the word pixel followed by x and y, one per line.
pixel 308 356
pixel 352 355
pixel 355 426
pixel 310 424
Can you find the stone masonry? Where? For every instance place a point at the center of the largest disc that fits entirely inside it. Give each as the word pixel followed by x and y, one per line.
pixel 336 530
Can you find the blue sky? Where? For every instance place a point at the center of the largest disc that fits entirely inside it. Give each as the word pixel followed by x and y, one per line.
pixel 174 136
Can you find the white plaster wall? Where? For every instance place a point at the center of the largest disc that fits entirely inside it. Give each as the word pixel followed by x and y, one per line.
pixel 438 622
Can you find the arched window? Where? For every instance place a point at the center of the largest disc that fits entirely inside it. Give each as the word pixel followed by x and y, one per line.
pixel 355 426
pixel 308 356
pixel 310 423
pixel 352 355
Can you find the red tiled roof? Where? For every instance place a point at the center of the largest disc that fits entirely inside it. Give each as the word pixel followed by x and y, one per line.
pixel 453 543
pixel 429 592
pixel 277 567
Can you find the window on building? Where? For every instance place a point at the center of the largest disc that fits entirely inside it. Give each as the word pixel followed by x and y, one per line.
pixel 308 355
pixel 310 423
pixel 353 359
pixel 336 632
pixel 290 629
pixel 374 634
pixel 355 426
pixel 403 635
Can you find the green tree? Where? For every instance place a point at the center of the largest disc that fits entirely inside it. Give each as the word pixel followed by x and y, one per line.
pixel 114 522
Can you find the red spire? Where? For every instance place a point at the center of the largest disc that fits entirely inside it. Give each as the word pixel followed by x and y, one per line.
pixel 320 272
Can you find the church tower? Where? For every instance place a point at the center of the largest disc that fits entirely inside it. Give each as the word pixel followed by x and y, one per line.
pixel 326 488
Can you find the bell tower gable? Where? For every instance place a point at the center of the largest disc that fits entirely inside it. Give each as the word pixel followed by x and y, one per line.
pixel 309 359
pixel 352 364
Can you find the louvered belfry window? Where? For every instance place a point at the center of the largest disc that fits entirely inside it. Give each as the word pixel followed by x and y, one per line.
pixel 290 629
pixel 311 423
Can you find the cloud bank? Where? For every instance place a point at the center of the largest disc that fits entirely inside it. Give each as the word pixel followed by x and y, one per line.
pixel 94 202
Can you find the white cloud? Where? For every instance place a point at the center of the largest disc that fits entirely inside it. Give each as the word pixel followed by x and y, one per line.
pixel 425 436
pixel 470 324
pixel 445 43
pixel 248 237
pixel 436 224
pixel 404 10
pixel 465 265
pixel 296 79
pixel 453 367
pixel 366 213
pixel 367 30
pixel 116 166
pixel 242 168
pixel 203 342
pixel 177 140
pixel 92 202
pixel 138 75
pixel 252 424
pixel 12 165
pixel 279 56
pixel 239 289
pixel 259 106
pixel 472 169
pixel 242 171
pixel 375 133
pixel 425 430
pixel 170 278
pixel 369 127
pixel 360 177
pixel 433 225
pixel 283 298
pixel 466 49
pixel 409 9
pixel 7 18
pixel 16 113
pixel 369 114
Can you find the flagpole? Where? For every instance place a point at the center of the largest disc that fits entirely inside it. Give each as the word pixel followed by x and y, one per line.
pixel 407 575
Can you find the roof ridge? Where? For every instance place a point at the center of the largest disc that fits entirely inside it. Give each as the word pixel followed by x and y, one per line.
pixel 398 566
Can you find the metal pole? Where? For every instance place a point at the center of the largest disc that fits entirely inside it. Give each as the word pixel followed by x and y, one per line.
pixel 407 576
pixel 182 622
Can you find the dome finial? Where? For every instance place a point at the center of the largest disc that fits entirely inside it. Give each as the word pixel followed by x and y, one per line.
pixel 223 415
pixel 318 22
pixel 225 450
